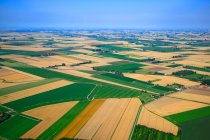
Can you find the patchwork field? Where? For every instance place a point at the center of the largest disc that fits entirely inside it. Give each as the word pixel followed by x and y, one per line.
pixel 113 119
pixel 162 80
pixel 32 91
pixel 48 115
pixel 73 128
pixel 10 77
pixel 152 120
pixel 104 84
pixel 167 106
pixel 198 95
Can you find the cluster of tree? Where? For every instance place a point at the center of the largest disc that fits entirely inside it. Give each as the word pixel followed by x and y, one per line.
pixel 77 64
pixel 183 73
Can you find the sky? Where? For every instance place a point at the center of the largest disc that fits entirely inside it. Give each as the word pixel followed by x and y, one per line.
pixel 130 14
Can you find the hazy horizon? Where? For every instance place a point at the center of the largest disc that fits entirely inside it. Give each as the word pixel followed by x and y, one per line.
pixel 118 14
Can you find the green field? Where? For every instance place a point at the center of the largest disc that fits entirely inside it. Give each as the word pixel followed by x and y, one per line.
pixel 123 66
pixel 194 124
pixel 27 53
pixel 7 90
pixel 198 68
pixel 111 91
pixel 161 49
pixel 145 133
pixel 21 43
pixel 133 83
pixel 57 127
pixel 77 91
pixel 123 57
pixel 16 126
pixel 113 47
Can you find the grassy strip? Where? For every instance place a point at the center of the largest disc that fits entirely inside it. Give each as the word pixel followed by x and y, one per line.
pixel 145 133
pixel 123 57
pixel 198 68
pixel 57 127
pixel 72 92
pixel 27 53
pixel 7 90
pixel 133 83
pixel 15 127
pixel 113 47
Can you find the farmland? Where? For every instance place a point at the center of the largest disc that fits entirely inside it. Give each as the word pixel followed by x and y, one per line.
pixel 103 85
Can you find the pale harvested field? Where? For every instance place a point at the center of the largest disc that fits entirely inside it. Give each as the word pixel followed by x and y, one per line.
pixel 199 91
pixel 167 106
pixel 170 71
pixel 162 80
pixel 202 96
pixel 202 72
pixel 110 118
pixel 152 120
pixel 49 115
pixel 198 58
pixel 125 125
pixel 95 59
pixel 28 74
pixel 73 128
pixel 193 63
pixel 83 51
pixel 4 85
pixel 47 61
pixel 66 70
pixel 11 77
pixel 32 91
pixel 158 55
pixel 34 48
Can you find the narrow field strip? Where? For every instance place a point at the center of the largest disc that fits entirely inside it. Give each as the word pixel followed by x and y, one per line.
pixel 109 125
pixel 49 115
pixel 192 97
pixel 73 128
pixel 113 120
pixel 126 123
pixel 94 123
pixel 152 120
pixel 32 91
pixel 167 106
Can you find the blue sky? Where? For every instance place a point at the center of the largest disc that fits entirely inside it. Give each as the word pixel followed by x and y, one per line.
pixel 105 13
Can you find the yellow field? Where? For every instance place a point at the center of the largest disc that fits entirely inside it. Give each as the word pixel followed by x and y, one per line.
pixel 170 71
pixel 10 77
pixel 47 61
pixel 193 63
pixel 125 125
pixel 199 95
pixel 167 106
pixel 32 91
pixel 72 129
pixel 152 120
pixel 48 115
pixel 108 121
pixel 162 80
